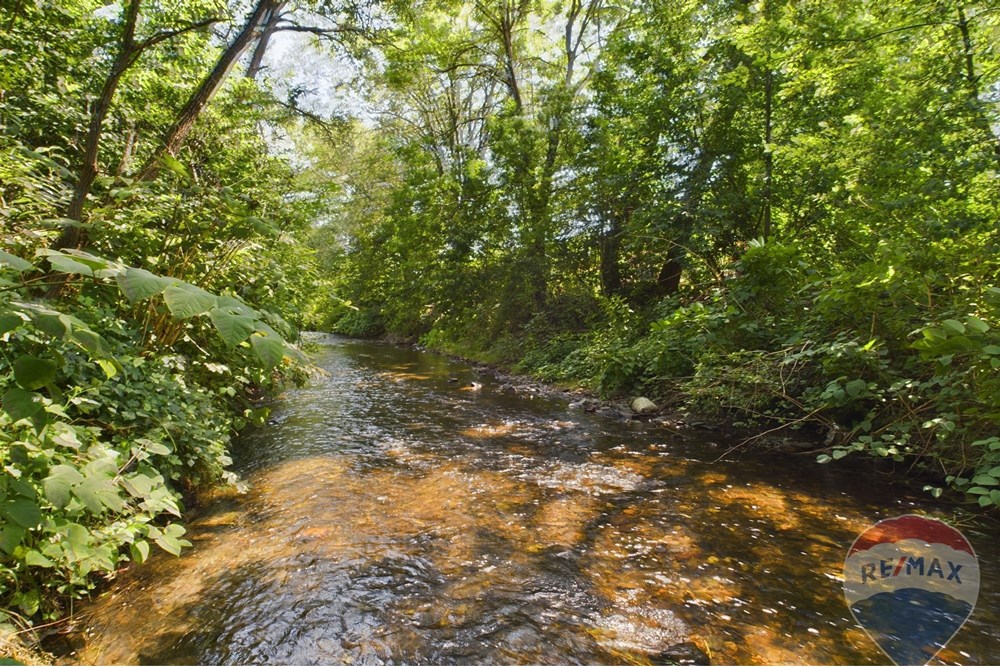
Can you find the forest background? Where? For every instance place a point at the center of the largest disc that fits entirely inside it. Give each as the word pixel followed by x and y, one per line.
pixel 780 214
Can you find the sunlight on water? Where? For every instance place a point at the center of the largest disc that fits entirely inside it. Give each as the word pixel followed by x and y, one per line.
pixel 393 517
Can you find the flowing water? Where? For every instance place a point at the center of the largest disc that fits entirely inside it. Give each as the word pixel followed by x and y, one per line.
pixel 396 515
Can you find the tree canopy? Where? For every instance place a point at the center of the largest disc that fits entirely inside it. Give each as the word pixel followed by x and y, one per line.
pixel 784 213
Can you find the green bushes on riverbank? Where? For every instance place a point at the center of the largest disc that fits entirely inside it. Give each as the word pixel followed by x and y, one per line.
pixel 107 420
pixel 786 215
pixel 897 359
pixel 149 253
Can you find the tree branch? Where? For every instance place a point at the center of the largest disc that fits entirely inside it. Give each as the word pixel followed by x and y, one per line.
pixel 170 34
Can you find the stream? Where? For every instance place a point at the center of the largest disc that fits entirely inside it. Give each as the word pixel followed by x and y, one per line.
pixel 396 513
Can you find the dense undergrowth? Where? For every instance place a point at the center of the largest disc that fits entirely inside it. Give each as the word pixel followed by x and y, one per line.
pixel 148 300
pixel 784 213
pixel 892 361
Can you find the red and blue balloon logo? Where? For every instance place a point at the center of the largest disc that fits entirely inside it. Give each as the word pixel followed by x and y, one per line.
pixel 911 582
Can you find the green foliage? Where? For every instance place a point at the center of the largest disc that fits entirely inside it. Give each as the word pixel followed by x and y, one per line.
pixel 99 439
pixel 753 206
pixel 126 366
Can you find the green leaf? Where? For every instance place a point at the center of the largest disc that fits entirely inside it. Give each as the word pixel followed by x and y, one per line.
pixel 61 479
pixel 934 334
pixel 138 484
pixel 976 325
pixel 98 492
pixel 855 387
pixel 63 264
pixel 233 327
pixel 269 349
pixel 186 300
pixel 140 551
pixel 985 480
pixel 953 327
pixel 839 453
pixel 14 262
pixel 174 165
pixel 824 458
pixel 11 536
pixel 169 539
pixel 77 541
pixel 139 284
pixel 236 306
pixel 109 367
pixel 21 488
pixel 154 447
pixel 23 512
pixel 21 404
pixel 34 373
pixel 94 344
pixel 9 322
pixel 80 262
pixel 36 559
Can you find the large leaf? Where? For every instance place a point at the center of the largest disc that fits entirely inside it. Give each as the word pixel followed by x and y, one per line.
pixel 232 326
pixel 97 493
pixel 269 349
pixel 186 300
pixel 33 372
pixel 138 284
pixel 21 404
pixel 23 512
pixel 169 539
pixel 59 483
pixel 14 262
pixel 174 165
pixel 10 536
pixel 82 263
pixel 10 321
pixel 233 304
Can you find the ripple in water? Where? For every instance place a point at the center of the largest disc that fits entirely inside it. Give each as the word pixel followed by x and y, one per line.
pixel 394 518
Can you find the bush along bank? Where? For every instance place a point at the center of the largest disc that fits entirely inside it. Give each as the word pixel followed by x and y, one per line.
pixel 117 398
pixel 895 359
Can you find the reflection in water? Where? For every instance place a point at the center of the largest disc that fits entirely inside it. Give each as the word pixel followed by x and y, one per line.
pixel 393 517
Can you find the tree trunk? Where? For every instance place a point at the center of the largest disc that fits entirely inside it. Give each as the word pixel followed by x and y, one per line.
pixel 611 274
pixel 768 153
pixel 270 23
pixel 71 236
pixel 175 136
pixel 669 280
pixel 981 120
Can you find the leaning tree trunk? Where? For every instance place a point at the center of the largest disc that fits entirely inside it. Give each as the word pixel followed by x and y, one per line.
pixel 71 235
pixel 175 136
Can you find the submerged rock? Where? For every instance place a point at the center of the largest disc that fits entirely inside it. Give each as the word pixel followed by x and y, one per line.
pixel 586 404
pixel 681 654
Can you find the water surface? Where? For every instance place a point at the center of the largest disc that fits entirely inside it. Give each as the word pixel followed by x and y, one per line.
pixel 398 514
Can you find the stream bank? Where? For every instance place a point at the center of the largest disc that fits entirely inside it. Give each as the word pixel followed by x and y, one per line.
pixel 394 516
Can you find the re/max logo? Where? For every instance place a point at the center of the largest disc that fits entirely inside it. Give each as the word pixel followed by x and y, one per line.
pixel 912 566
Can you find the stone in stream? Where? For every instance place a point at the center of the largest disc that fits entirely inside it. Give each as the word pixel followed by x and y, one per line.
pixel 644 406
pixel 586 404
pixel 681 654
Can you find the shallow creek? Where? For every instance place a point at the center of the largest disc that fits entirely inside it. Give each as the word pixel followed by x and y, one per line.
pixel 396 515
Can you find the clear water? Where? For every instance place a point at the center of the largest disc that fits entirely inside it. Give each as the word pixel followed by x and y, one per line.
pixel 394 516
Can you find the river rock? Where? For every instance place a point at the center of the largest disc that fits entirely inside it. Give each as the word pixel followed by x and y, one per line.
pixel 586 404
pixel 681 654
pixel 644 406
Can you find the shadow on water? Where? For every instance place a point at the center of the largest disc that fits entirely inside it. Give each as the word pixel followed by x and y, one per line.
pixel 397 514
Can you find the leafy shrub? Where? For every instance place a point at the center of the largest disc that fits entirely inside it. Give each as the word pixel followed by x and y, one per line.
pixel 105 423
